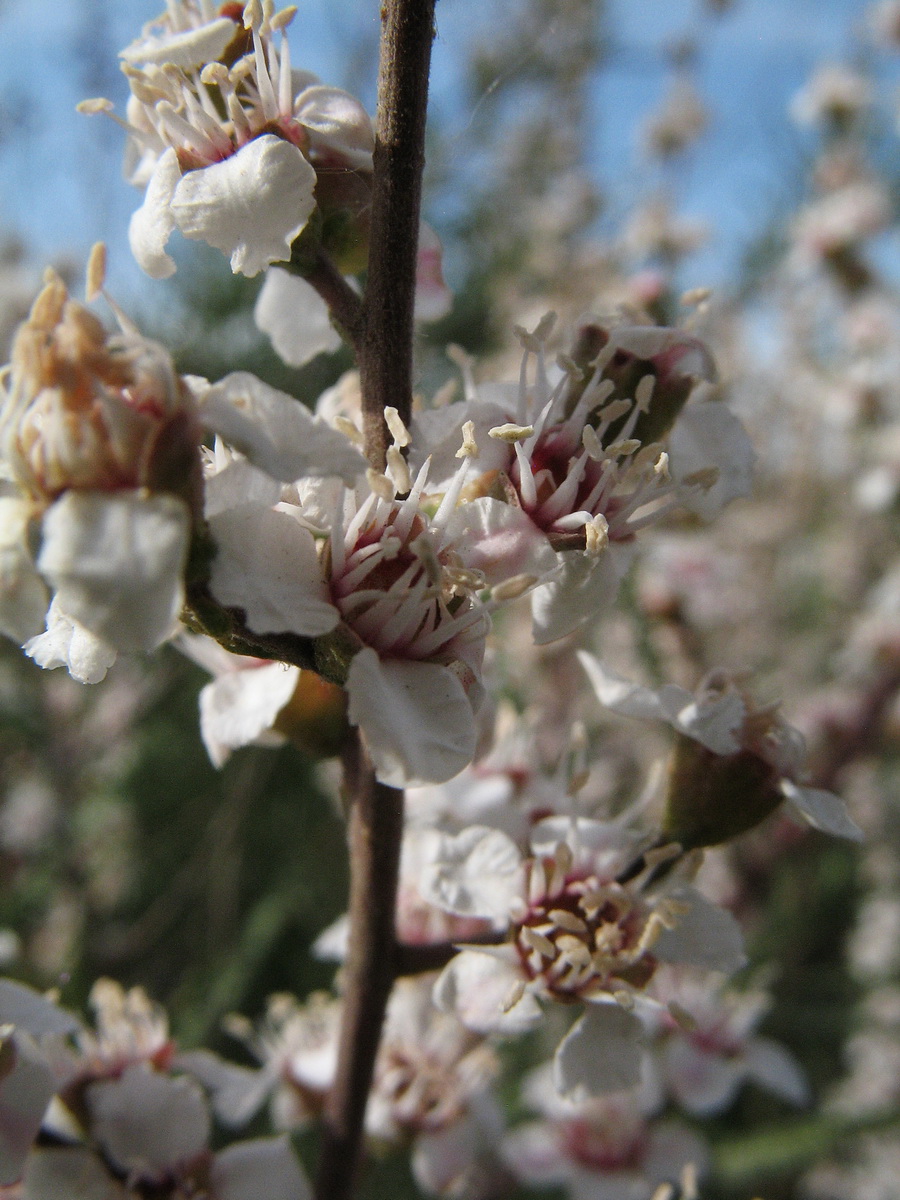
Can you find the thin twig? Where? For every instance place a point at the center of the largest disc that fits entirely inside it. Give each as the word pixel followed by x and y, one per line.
pixel 385 365
pixel 375 831
pixel 344 305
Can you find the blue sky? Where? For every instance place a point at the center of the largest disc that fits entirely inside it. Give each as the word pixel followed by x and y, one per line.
pixel 61 189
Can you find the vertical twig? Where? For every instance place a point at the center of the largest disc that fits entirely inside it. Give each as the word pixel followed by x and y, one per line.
pixel 375 827
pixel 385 362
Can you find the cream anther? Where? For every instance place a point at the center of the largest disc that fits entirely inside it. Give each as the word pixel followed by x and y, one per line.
pixel 469 447
pixel 511 433
pixel 380 484
pixel 398 430
pixel 643 393
pixel 96 271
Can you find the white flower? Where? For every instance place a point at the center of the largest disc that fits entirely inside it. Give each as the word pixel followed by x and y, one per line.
pixel 575 934
pixel 411 628
pixel 604 1148
pixel 579 467
pixel 98 433
pixel 710 1048
pixel 225 145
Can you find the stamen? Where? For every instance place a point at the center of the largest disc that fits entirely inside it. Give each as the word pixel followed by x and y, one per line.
pixel 398 430
pixel 511 433
pixel 96 271
pixel 469 447
pixel 380 484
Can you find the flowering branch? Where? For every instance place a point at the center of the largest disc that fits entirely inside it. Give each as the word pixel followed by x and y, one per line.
pixel 385 361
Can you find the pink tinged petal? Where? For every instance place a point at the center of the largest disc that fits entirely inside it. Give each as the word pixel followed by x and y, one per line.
pixel 152 224
pixel 337 122
pixel 823 810
pixel 476 873
pixel 583 589
pixel 678 353
pixel 27 1085
pixel 295 317
pixel 433 298
pixel 75 1173
pixel 500 540
pixel 188 50
pixel 710 435
pixel 485 992
pixel 601 1053
pixel 117 563
pixel 773 1067
pixel 534 1154
pixel 250 206
pixel 237 1093
pixel 266 564
pixel 66 643
pixel 703 1082
pixel 23 595
pixel 236 709
pixel 147 1122
pixel 261 1167
pixel 705 936
pixel 416 718
pixel 276 432
pixel 29 1010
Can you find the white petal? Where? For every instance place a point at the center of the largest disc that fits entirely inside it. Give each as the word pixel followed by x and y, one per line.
pixel 75 1173
pixel 152 224
pixel 703 1082
pixel 23 596
pixel 188 49
pixel 250 206
pixel 239 485
pixel 484 990
pixel 534 1154
pixel 29 1010
pixel 713 722
pixel 292 313
pixel 705 936
pixel 266 564
pixel 277 433
pixel 823 810
pixel 620 694
pixel 148 1122
pixel 26 1087
pixel 600 1053
pixel 261 1167
pixel 237 1093
pixel 441 1159
pixel 776 1069
pixel 582 590
pixel 237 708
pixel 117 563
pixel 710 435
pixel 337 122
pixel 68 644
pixel 476 873
pixel 417 720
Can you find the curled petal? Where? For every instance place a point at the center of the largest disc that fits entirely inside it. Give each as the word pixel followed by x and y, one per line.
pixel 187 49
pixel 259 1167
pixel 238 708
pixel 250 206
pixel 476 873
pixel 66 643
pixel 823 810
pixel 485 992
pixel 152 224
